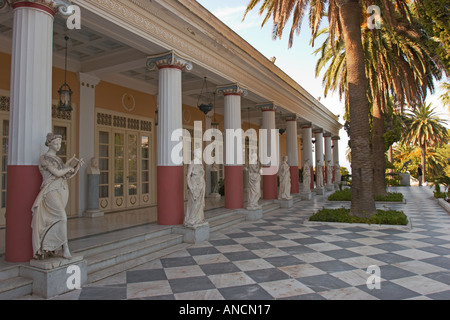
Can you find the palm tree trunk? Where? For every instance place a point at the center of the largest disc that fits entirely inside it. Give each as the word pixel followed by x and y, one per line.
pixel 363 203
pixel 378 149
pixel 423 155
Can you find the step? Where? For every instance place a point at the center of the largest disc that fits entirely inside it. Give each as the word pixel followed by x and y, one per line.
pixel 127 252
pixel 12 285
pixel 270 207
pixel 126 265
pixel 91 245
pixel 224 221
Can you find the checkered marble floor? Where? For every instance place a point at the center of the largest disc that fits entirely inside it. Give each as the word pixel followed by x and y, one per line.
pixel 279 257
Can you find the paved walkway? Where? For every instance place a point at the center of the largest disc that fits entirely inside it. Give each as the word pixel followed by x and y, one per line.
pixel 279 257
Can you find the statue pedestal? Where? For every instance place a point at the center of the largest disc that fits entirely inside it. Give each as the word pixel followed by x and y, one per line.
pixel 330 187
pixel 320 191
pixel 214 195
pixel 193 234
pixel 92 210
pixel 306 195
pixel 253 213
pixel 286 203
pixel 405 178
pixel 57 275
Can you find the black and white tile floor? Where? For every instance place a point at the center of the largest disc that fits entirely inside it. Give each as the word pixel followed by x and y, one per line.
pixel 279 257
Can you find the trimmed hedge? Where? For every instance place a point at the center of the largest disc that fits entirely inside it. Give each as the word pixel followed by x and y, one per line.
pixel 392 217
pixel 346 195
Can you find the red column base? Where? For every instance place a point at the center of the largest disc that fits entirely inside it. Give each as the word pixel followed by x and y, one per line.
pixel 312 179
pixel 24 183
pixel 170 189
pixel 294 179
pixel 234 187
pixel 270 187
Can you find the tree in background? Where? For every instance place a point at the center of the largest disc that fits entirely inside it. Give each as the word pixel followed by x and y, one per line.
pixel 424 129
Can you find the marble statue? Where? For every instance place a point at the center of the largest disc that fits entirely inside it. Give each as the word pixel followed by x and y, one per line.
pixel 254 182
pixel 337 174
pixel 194 215
pixel 329 173
pixel 49 222
pixel 307 176
pixel 319 174
pixel 285 180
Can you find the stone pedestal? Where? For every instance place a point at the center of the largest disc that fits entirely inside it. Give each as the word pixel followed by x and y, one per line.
pixel 56 276
pixel 286 203
pixel 305 195
pixel 92 210
pixel 405 178
pixel 253 213
pixel 194 234
pixel 330 187
pixel 320 191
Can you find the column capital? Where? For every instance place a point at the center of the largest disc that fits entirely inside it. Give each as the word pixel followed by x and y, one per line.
pixel 327 135
pixel 171 59
pixel 87 80
pixel 49 6
pixel 234 89
pixel 291 118
pixel 317 130
pixel 268 106
pixel 305 125
pixel 335 138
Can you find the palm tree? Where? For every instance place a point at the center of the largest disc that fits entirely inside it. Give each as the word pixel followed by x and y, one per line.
pixel 423 128
pixel 344 19
pixel 397 64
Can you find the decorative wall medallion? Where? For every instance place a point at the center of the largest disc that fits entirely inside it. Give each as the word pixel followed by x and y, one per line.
pixel 119 202
pixel 145 198
pixel 128 102
pixel 103 203
pixel 133 200
pixel 186 116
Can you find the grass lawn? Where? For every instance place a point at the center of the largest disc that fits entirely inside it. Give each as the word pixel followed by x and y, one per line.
pixel 392 217
pixel 346 195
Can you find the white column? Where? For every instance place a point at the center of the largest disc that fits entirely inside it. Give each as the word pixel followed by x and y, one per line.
pixel 335 140
pixel 170 175
pixel 31 85
pixel 328 161
pixel 269 151
pixel 86 135
pixel 318 137
pixel 335 143
pixel 234 179
pixel 292 151
pixel 307 151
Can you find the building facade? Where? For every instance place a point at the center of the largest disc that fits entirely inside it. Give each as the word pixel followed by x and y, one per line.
pixel 137 69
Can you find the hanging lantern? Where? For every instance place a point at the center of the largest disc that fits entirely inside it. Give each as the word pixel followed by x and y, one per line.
pixel 206 105
pixel 64 92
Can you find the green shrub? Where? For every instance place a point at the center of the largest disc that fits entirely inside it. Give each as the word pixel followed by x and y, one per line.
pixel 391 217
pixel 341 195
pixel 346 195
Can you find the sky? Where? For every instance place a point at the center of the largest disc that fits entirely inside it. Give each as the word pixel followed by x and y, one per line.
pixel 298 61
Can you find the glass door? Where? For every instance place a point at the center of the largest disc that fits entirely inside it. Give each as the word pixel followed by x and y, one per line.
pixel 119 170
pixel 131 182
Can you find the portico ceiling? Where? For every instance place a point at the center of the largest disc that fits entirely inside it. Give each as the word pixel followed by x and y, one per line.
pixel 114 54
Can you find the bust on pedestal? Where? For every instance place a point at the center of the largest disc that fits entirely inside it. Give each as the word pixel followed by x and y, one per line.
pixel 93 173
